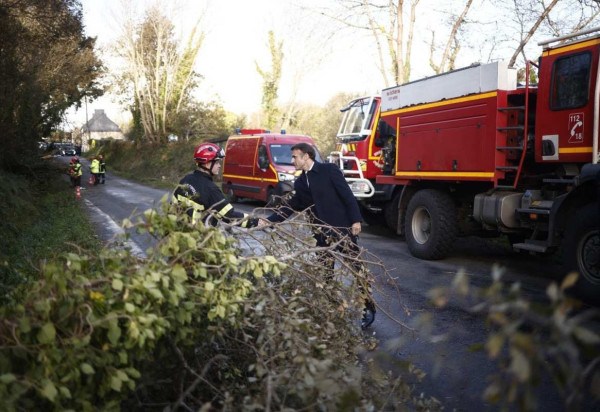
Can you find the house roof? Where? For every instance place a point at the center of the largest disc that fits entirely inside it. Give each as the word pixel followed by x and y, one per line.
pixel 100 123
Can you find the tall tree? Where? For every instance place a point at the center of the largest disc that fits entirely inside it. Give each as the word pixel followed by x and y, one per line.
pixel 524 20
pixel 452 45
pixel 159 72
pixel 391 23
pixel 46 66
pixel 271 79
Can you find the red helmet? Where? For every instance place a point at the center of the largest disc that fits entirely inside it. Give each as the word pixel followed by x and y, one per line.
pixel 74 159
pixel 208 152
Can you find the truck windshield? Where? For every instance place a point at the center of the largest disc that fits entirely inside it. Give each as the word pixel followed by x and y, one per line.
pixel 357 120
pixel 282 154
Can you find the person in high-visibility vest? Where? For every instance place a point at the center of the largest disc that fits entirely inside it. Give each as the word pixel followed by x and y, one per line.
pixel 95 170
pixel 75 171
pixel 102 169
pixel 197 192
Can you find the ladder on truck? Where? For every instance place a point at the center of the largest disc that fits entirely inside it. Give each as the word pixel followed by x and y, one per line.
pixel 511 140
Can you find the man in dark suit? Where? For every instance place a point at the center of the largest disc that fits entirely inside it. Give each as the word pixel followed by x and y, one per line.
pixel 323 188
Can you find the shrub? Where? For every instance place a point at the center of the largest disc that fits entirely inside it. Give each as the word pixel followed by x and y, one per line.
pixel 202 321
pixel 528 339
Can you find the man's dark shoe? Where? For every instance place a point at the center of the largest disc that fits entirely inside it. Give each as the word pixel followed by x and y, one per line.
pixel 368 316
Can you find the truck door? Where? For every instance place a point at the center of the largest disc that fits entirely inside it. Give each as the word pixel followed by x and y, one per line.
pixel 565 108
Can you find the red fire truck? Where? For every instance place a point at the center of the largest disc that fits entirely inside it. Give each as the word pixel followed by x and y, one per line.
pixel 474 152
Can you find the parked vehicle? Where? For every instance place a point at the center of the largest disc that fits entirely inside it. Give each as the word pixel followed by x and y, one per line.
pixel 258 164
pixel 473 152
pixel 63 149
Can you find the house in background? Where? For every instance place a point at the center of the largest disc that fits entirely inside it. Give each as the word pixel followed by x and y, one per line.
pixel 99 127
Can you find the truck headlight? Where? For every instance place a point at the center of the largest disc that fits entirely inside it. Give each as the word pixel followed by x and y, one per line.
pixel 359 187
pixel 285 177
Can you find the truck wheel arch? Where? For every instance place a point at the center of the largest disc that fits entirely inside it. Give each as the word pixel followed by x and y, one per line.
pixel 395 211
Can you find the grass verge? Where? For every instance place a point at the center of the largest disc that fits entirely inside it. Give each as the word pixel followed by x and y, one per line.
pixel 39 219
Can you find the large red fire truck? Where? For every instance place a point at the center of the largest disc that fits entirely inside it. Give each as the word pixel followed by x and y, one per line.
pixel 472 151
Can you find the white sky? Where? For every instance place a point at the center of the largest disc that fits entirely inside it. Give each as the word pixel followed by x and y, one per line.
pixel 236 38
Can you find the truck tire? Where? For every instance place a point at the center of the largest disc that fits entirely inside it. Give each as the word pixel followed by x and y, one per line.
pixel 431 225
pixel 272 199
pixel 230 194
pixel 371 218
pixel 390 212
pixel 582 251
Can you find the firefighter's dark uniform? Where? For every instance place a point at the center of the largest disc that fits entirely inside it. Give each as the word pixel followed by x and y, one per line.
pixel 197 192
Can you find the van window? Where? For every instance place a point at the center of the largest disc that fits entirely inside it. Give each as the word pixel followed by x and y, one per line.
pixel 570 81
pixel 282 154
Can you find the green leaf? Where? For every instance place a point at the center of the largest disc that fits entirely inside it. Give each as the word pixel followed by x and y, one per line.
pixel 178 273
pixel 117 284
pixel 49 390
pixel 114 332
pixel 87 369
pixel 7 378
pixel 519 365
pixel 47 333
pixel 116 383
pixel 65 392
pixel 586 336
pixel 24 325
pixel 494 345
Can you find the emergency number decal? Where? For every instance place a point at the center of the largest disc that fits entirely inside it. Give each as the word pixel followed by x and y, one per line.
pixel 576 128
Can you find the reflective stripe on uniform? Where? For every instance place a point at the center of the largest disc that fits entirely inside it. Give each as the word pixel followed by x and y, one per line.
pixel 224 210
pixel 197 208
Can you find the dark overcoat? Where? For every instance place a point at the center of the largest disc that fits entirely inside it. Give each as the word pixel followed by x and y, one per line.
pixel 328 195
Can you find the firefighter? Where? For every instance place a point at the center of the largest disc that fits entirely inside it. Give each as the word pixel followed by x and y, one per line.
pixel 102 169
pixel 198 193
pixel 75 171
pixel 95 170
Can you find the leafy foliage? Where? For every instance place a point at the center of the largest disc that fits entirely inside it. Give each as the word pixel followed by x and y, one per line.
pixel 530 339
pixel 39 217
pixel 271 81
pixel 202 321
pixel 46 66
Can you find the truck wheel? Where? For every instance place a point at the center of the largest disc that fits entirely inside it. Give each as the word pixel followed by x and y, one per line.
pixel 371 218
pixel 390 212
pixel 430 226
pixel 582 248
pixel 230 194
pixel 272 199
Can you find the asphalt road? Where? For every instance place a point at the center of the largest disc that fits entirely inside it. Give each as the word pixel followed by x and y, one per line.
pixel 454 374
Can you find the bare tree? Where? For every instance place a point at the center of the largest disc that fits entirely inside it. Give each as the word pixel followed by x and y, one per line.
pixel 528 19
pixel 452 46
pixel 159 70
pixel 391 24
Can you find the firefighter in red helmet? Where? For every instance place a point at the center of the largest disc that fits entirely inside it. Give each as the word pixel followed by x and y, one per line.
pixel 197 192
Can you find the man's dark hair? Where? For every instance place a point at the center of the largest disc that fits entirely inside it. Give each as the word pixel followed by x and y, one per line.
pixel 305 148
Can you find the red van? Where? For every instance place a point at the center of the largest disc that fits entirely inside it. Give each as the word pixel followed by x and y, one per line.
pixel 259 165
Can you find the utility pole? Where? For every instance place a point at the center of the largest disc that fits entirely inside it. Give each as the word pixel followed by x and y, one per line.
pixel 87 124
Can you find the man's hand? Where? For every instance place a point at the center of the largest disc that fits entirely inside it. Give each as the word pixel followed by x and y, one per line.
pixel 356 228
pixel 263 223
